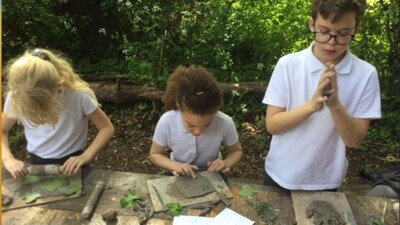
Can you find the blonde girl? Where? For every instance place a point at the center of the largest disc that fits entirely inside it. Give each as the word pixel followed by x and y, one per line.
pixel 54 105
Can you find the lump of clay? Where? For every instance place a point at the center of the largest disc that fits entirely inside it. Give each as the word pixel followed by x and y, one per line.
pixel 324 213
pixel 191 188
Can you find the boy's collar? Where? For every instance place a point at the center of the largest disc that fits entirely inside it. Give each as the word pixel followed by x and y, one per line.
pixel 313 63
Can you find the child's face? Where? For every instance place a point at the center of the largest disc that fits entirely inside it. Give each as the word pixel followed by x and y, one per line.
pixel 331 51
pixel 196 124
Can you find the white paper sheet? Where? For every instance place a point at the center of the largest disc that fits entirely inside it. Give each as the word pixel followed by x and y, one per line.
pixel 228 216
pixel 192 220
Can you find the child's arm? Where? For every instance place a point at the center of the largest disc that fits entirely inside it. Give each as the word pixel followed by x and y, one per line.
pixel 278 120
pixel 103 137
pixel 352 130
pixel 235 153
pixel 15 167
pixel 158 158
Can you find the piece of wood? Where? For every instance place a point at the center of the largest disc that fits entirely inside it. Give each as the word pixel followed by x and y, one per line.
pixel 107 92
pixel 116 185
pixel 127 220
pixel 170 194
pixel 301 199
pixel 94 197
pixel 13 187
pixel 38 216
pixel 366 209
pixel 279 200
pixel 49 169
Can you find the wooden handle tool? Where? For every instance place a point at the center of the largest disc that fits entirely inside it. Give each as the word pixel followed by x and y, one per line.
pixel 50 169
pixel 94 197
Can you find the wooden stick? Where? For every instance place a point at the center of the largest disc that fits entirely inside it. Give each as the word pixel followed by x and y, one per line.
pixel 50 169
pixel 94 197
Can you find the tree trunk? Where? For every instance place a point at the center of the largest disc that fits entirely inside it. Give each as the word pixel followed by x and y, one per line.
pixel 128 93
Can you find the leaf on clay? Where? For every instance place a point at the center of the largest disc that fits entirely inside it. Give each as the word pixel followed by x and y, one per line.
pixel 52 185
pixel 246 191
pixel 30 179
pixel 30 197
pixel 71 189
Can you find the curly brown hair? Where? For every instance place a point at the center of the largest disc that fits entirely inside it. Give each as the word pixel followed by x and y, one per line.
pixel 193 89
pixel 337 8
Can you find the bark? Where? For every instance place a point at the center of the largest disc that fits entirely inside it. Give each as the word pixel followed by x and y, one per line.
pixel 126 93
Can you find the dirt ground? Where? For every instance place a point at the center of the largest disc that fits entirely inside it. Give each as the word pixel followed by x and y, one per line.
pixel 129 148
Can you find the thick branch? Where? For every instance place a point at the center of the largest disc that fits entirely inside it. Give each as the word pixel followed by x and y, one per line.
pixel 127 93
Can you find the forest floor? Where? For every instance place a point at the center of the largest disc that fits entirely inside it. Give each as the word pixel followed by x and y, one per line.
pixel 129 149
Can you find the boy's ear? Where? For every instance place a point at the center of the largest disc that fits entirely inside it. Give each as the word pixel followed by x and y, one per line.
pixel 311 24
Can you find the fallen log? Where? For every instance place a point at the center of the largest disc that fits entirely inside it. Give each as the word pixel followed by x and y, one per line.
pixel 128 93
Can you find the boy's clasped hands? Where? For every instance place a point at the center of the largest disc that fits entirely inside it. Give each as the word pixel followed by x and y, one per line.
pixel 326 92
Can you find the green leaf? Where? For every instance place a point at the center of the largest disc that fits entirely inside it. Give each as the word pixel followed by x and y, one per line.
pixel 125 203
pixel 174 208
pixel 52 185
pixel 30 197
pixel 174 212
pixel 71 189
pixel 252 202
pixel 133 196
pixel 30 179
pixel 247 191
pixel 129 199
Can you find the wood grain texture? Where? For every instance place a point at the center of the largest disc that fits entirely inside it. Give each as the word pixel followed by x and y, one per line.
pixel 365 209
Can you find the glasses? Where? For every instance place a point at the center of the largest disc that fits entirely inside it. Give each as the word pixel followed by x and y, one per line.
pixel 340 39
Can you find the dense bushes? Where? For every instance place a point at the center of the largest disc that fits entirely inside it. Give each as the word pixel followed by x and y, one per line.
pixel 238 40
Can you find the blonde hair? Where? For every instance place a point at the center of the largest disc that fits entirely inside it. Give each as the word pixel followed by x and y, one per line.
pixel 33 80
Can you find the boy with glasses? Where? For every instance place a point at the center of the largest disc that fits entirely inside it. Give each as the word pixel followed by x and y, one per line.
pixel 320 100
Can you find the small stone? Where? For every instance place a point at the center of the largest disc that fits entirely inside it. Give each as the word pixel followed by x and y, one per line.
pixel 109 215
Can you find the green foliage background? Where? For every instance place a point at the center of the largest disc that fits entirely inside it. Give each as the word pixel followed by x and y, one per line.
pixel 239 40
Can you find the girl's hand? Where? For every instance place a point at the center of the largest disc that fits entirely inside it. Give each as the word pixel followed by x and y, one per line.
pixel 185 169
pixel 15 167
pixel 74 163
pixel 217 165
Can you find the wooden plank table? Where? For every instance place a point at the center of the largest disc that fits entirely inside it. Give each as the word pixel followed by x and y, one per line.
pixel 118 183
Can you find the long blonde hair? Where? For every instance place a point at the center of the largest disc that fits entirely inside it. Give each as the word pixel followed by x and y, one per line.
pixel 33 80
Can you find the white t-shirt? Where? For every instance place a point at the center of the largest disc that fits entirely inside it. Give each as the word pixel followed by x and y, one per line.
pixel 312 156
pixel 197 150
pixel 68 135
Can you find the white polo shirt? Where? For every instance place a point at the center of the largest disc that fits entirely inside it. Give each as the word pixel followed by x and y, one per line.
pixel 312 156
pixel 196 150
pixel 68 135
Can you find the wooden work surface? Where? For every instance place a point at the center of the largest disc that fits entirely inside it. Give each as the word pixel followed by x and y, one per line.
pixel 117 183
